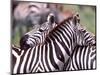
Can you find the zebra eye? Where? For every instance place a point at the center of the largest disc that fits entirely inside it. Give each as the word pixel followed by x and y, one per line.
pixel 41 30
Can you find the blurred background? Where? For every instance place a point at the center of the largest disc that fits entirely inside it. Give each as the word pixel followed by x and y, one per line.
pixel 30 15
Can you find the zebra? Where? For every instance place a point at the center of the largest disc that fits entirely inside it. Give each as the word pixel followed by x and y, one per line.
pixel 82 58
pixel 54 51
pixel 32 38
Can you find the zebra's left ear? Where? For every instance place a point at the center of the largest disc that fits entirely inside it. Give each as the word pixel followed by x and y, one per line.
pixel 51 18
pixel 76 19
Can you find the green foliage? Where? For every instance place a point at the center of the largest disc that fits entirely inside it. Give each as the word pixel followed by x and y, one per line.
pixel 87 15
pixel 16 38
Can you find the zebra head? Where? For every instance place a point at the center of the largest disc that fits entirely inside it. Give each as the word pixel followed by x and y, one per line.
pixel 32 38
pixel 83 37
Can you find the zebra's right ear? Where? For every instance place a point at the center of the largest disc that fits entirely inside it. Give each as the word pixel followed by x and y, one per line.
pixel 51 18
pixel 76 19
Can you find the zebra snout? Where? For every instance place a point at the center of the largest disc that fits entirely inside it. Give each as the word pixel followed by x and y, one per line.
pixel 24 44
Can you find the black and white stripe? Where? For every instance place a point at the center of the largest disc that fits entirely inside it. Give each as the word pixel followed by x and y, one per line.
pixel 82 58
pixel 54 52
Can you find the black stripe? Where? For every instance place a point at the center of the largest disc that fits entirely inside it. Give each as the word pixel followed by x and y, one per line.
pixel 13 61
pixel 52 38
pixel 76 61
pixel 84 57
pixel 36 33
pixel 80 57
pixel 65 48
pixel 32 58
pixel 87 57
pixel 36 58
pixel 73 63
pixel 37 36
pixel 20 63
pixel 27 58
pixel 42 56
pixel 59 53
pixel 72 58
pixel 25 65
pixel 51 57
pixel 92 61
pixel 46 59
pixel 67 65
pixel 33 41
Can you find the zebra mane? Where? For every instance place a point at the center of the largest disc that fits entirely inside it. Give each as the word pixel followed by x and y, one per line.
pixel 74 17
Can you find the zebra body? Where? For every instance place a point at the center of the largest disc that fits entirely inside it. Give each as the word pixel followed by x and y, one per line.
pixel 55 51
pixel 82 58
pixel 39 59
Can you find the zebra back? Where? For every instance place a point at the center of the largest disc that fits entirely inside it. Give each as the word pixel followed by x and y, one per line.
pixel 82 58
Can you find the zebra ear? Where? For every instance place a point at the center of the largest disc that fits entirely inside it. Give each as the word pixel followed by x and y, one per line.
pixel 51 18
pixel 76 19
